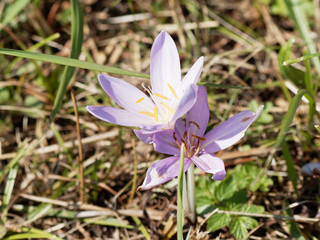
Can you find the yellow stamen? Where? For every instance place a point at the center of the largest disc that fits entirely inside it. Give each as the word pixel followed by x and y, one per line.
pixel 159 95
pixel 139 100
pixel 149 114
pixel 155 113
pixel 168 107
pixel 172 90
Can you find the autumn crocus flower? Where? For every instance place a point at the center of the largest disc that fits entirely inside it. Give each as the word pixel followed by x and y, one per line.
pixel 198 145
pixel 160 106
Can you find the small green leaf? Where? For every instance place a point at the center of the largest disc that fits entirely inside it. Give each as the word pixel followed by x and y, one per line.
pixel 217 221
pixel 225 189
pixel 239 227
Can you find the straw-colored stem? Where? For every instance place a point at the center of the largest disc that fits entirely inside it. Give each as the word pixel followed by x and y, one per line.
pixel 80 149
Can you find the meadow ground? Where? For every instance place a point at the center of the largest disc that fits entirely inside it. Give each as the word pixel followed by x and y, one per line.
pixel 52 187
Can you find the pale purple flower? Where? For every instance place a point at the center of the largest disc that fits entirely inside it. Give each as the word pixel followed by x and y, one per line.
pixel 198 145
pixel 168 99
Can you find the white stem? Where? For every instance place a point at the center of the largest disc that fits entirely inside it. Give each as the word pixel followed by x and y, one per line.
pixel 191 194
pixel 185 201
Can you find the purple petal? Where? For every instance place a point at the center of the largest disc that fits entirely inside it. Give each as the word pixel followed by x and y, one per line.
pixel 193 74
pixel 210 164
pixel 119 116
pixel 146 133
pixel 229 132
pixel 144 136
pixel 125 94
pixel 163 171
pixel 164 142
pixel 198 116
pixel 188 100
pixel 179 129
pixel 165 66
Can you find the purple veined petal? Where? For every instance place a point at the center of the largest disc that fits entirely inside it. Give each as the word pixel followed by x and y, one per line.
pixel 119 116
pixel 188 100
pixel 164 142
pixel 165 66
pixel 144 136
pixel 229 132
pixel 146 133
pixel 179 128
pixel 125 94
pixel 210 164
pixel 162 171
pixel 193 74
pixel 198 115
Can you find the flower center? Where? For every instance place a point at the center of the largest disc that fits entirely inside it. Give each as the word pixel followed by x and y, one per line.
pixel 164 107
pixel 191 141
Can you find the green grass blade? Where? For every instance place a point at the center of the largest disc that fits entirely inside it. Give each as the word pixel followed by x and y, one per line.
pixel 21 153
pixel 111 222
pixel 288 72
pixel 293 227
pixel 70 62
pixel 290 165
pixel 8 191
pixel 13 10
pixel 32 233
pixel 287 120
pixel 300 59
pixel 180 194
pixel 76 43
pixel 300 19
pixel 34 47
pixel 308 77
pixel 141 227
pixel 221 85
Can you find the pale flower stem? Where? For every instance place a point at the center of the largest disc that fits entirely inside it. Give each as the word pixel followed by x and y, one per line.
pixel 185 200
pixel 189 201
pixel 191 194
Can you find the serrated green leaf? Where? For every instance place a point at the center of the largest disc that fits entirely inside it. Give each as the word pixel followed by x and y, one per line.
pixel 217 221
pixel 225 189
pixel 239 227
pixel 238 197
pixel 251 208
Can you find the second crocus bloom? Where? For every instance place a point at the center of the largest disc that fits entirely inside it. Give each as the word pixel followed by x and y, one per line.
pixel 160 105
pixel 198 145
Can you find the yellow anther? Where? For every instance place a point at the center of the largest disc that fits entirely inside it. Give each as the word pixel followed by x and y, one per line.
pixel 172 90
pixel 159 95
pixel 149 114
pixel 139 100
pixel 155 114
pixel 168 107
